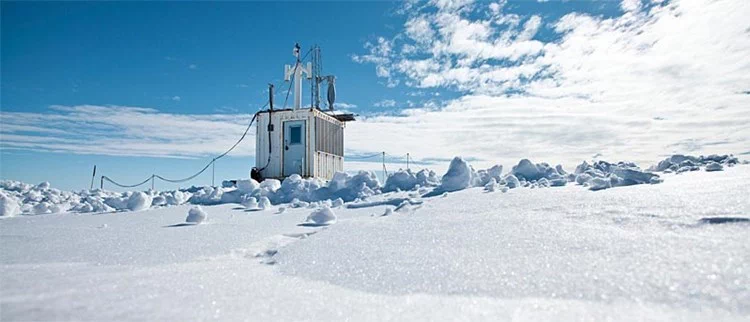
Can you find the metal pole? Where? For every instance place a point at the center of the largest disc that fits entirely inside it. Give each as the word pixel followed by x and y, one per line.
pixel 101 185
pixel 407 160
pixel 92 179
pixel 152 181
pixel 213 172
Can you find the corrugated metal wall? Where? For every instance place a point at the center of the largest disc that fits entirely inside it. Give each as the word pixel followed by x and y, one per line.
pixel 329 136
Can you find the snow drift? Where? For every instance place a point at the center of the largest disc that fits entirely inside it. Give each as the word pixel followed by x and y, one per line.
pixel 27 199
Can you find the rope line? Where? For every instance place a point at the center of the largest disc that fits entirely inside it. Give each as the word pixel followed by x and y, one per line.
pixel 127 186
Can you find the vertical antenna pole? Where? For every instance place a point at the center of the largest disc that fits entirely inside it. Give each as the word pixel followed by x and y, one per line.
pixel 92 179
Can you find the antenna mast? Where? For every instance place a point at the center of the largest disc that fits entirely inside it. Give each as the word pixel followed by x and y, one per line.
pixel 297 71
pixel 317 77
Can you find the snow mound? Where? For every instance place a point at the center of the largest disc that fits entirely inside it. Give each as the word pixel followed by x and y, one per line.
pixel 321 217
pixel 406 180
pixel 458 176
pixel 602 175
pixel 8 205
pixel 264 203
pixel 249 202
pixel 714 166
pixel 680 163
pixel 540 174
pixel 196 215
pixel 139 201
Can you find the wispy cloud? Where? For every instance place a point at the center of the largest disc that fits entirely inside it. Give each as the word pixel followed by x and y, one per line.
pixel 176 98
pixel 344 105
pixel 121 130
pixel 193 66
pixel 385 103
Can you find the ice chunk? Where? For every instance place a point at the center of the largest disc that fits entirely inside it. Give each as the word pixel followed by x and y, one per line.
pixel 714 166
pixel 337 203
pixel 139 201
pixel 599 183
pixel 249 202
pixel 491 185
pixel 526 170
pixel 247 186
pixel 264 203
pixel 196 215
pixel 512 181
pixel 8 205
pixel 322 216
pixel 458 176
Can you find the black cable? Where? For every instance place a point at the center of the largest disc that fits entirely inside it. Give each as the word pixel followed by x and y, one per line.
pixel 216 158
pixel 199 172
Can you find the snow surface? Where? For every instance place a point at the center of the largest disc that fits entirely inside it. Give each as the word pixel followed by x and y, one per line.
pixel 671 251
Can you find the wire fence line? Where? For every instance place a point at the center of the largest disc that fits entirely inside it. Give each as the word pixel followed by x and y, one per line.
pixel 210 163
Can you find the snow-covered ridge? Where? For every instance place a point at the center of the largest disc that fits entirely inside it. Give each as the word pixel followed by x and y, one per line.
pixel 27 199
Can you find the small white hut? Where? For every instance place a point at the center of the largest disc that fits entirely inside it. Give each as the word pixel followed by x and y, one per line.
pixel 304 141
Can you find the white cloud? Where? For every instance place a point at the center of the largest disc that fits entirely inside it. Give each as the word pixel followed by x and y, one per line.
pixel 630 5
pixel 638 86
pixel 176 98
pixel 119 130
pixel 385 103
pixel 344 106
pixel 193 66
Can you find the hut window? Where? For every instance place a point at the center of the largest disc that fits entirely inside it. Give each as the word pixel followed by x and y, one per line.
pixel 295 135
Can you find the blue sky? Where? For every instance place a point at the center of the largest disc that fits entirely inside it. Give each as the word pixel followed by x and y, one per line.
pixel 158 87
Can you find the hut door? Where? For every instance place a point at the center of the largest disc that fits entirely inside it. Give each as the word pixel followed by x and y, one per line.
pixel 294 147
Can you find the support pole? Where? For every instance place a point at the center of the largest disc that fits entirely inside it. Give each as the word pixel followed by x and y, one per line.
pixel 152 181
pixel 101 185
pixel 384 174
pixel 213 172
pixel 407 160
pixel 93 176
